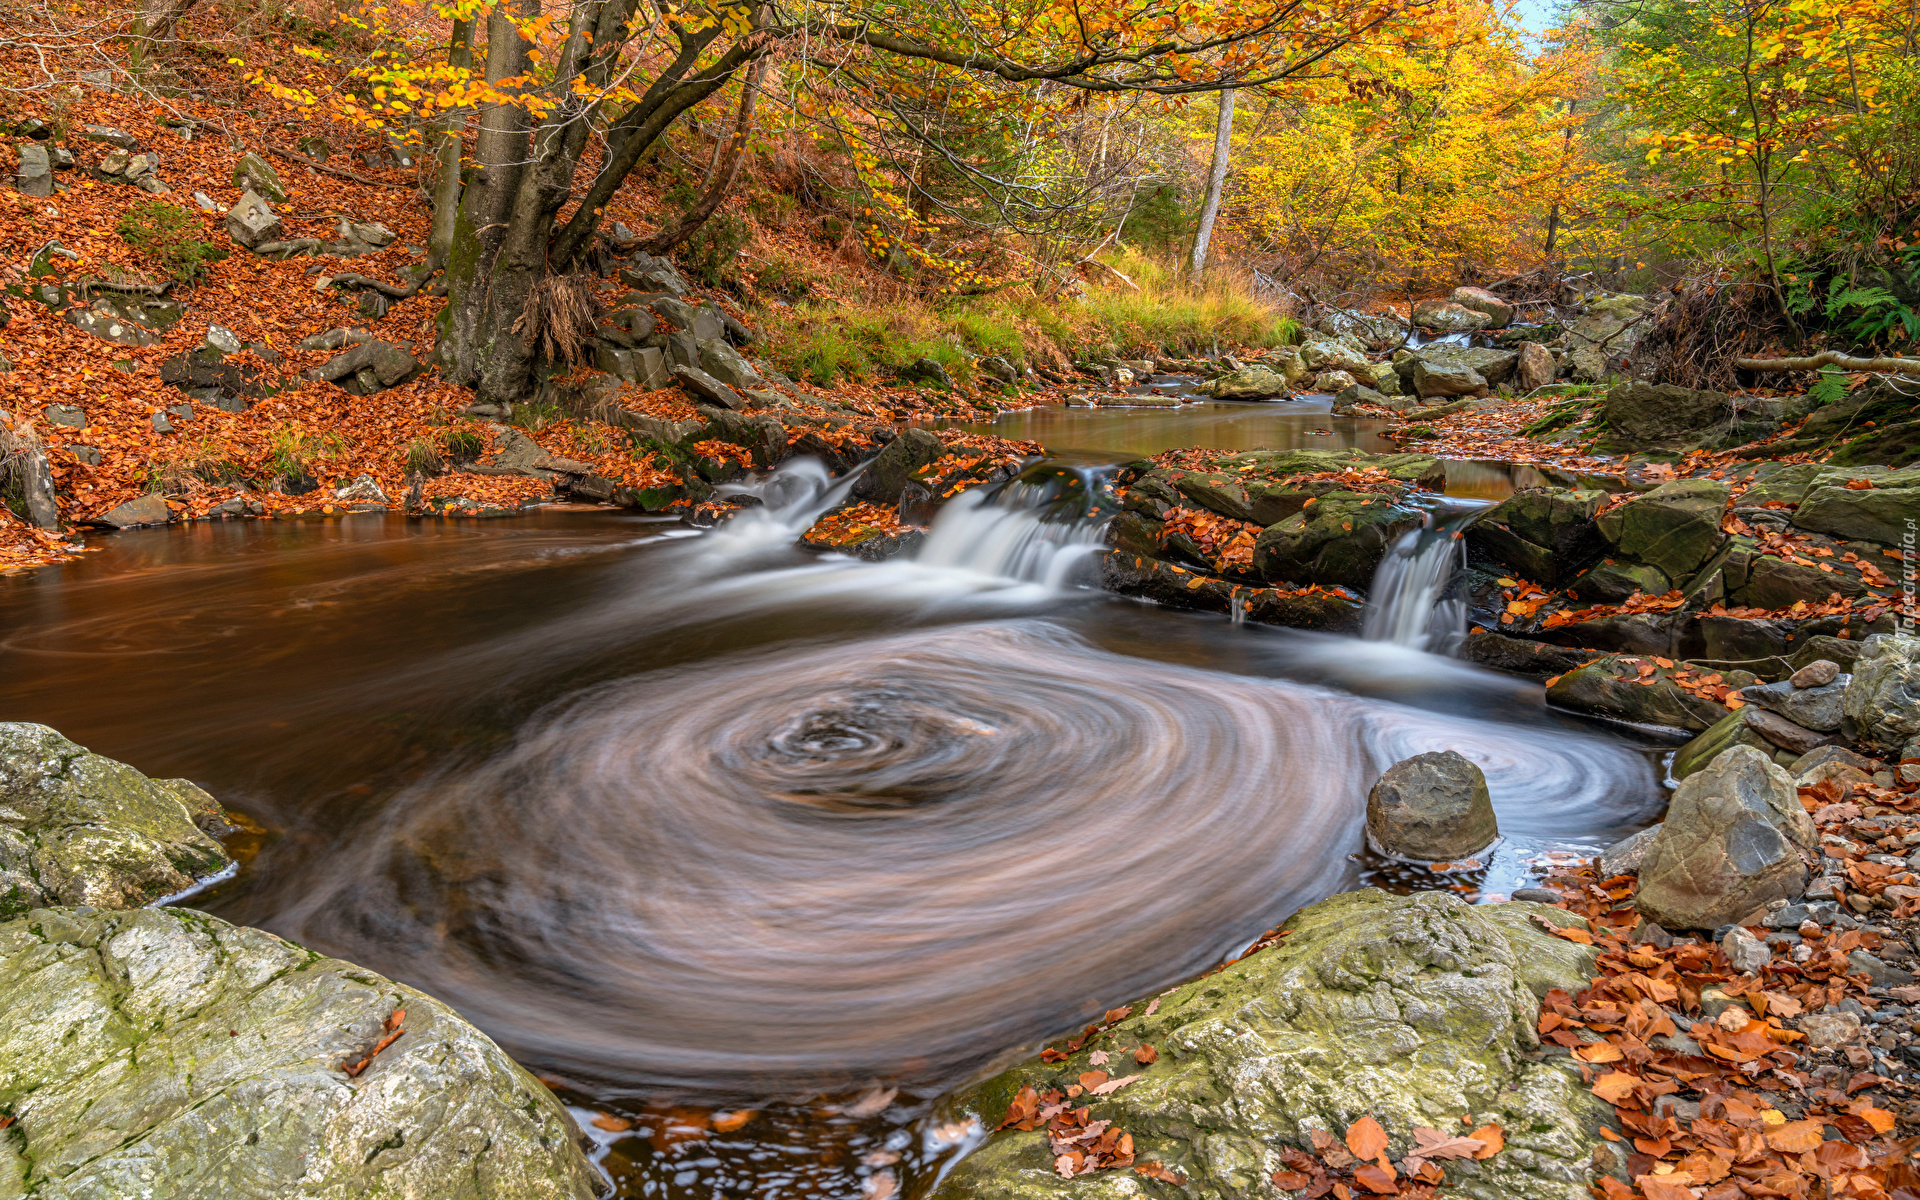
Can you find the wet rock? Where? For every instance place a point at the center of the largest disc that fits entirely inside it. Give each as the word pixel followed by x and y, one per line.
pixel 1874 515
pixel 1431 808
pixel 1814 708
pixel 1340 539
pixel 1675 527
pixel 1248 383
pixel 252 222
pixel 1544 534
pixel 1522 656
pixel 1730 731
pixel 1413 1009
pixel 1625 856
pixel 77 828
pixel 252 173
pixel 1612 688
pixel 1444 316
pixel 141 510
pixel 1881 705
pixel 1731 843
pixel 1745 952
pixel 1616 582
pixel 137 1040
pixel 894 468
pixel 1142 575
pixel 1784 733
pixel 1645 416
pixel 1499 312
pixel 1535 368
pixel 1442 378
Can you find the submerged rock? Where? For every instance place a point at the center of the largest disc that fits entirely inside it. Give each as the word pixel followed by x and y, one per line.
pixel 1415 1010
pixel 1431 808
pixel 166 1053
pixel 77 828
pixel 1731 843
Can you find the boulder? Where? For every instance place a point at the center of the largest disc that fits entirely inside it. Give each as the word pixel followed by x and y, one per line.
pixel 1431 808
pixel 1776 729
pixel 723 362
pixel 1730 844
pixel 1624 857
pixel 252 173
pixel 1881 705
pixel 1331 382
pixel 252 222
pixel 1544 534
pixel 1815 708
pixel 1442 378
pixel 706 387
pixel 1375 331
pixel 1535 367
pixel 1675 527
pixel 150 509
pixel 1444 316
pixel 1818 673
pixel 1645 416
pixel 1745 952
pixel 1610 687
pixel 1602 341
pixel 894 468
pixel 651 274
pixel 1335 356
pixel 1873 514
pixel 1340 539
pixel 1414 1010
pixel 1613 583
pixel 1730 731
pixel 1775 583
pixel 1248 383
pixel 369 367
pixel 702 322
pixel 34 175
pixel 1500 313
pixel 164 1052
pixel 77 828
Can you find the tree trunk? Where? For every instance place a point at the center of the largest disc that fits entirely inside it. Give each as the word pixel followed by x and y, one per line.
pixel 153 22
pixel 1216 182
pixel 446 189
pixel 725 171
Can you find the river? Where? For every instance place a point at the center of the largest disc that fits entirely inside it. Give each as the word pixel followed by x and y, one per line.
pixel 690 819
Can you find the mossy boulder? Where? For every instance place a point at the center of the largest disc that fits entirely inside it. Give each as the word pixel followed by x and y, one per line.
pixel 77 828
pixel 1613 687
pixel 1644 416
pixel 1877 514
pixel 1340 539
pixel 1543 534
pixel 1416 1010
pixel 165 1053
pixel 1675 527
pixel 894 468
pixel 1730 731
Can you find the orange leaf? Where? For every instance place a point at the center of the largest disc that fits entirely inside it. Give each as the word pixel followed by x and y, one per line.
pixel 1366 1139
pixel 1599 1052
pixel 1375 1179
pixel 1796 1137
pixel 1613 1087
pixel 1494 1137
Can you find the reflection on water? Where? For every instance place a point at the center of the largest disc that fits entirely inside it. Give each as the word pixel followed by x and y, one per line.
pixel 701 817
pixel 1118 434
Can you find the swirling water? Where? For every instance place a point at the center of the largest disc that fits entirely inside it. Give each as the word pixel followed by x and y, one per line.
pixel 700 818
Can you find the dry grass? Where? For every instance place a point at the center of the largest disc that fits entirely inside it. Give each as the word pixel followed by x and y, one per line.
pixel 561 314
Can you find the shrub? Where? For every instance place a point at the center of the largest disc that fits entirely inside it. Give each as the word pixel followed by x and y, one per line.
pixel 164 235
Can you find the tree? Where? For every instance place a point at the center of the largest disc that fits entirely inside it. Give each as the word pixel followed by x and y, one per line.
pixel 1216 181
pixel 615 75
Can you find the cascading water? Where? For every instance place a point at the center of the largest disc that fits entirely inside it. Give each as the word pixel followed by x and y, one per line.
pixel 1031 531
pixel 1408 604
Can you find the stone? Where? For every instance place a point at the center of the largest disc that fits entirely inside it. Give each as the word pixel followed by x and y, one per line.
pixel 252 173
pixel 723 362
pixel 1835 755
pixel 1500 313
pixel 111 136
pixel 1602 341
pixel 894 468
pixel 1878 973
pixel 1644 416
pixel 1745 952
pixel 1536 368
pixel 1544 534
pixel 928 371
pixel 1873 515
pixel 702 322
pixel 1614 583
pixel 1881 706
pixel 1333 381
pixel 1783 733
pixel 1815 674
pixel 1248 383
pixel 363 487
pixel 651 274
pixel 1359 393
pixel 1413 1009
pixel 707 388
pixel 1731 843
pixel 69 415
pixel 223 340
pixel 1335 356
pixel 1731 730
pixel 109 328
pixel 161 423
pixel 1774 583
pixel 388 363
pixel 1815 708
pixel 89 455
pixel 136 1041
pixel 78 828
pixel 1537 895
pixel 1432 379
pixel 1675 527
pixel 1444 316
pixel 1624 857
pixel 252 222
pixel 1340 539
pixel 1612 688
pixel 34 175
pixel 1431 808
pixel 1830 1031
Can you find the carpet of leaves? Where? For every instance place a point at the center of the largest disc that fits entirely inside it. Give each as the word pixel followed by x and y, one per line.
pixel 1226 543
pixel 856 523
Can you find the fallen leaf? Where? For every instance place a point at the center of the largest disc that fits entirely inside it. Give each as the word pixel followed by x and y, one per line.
pixel 1495 1138
pixel 1599 1052
pixel 1376 1179
pixel 1098 1058
pixel 1796 1137
pixel 1366 1139
pixel 1291 1181
pixel 728 1122
pixel 611 1123
pixel 1153 1170
pixel 1112 1085
pixel 1614 1086
pixel 1146 1054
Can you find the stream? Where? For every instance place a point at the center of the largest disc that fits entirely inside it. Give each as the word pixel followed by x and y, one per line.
pixel 692 821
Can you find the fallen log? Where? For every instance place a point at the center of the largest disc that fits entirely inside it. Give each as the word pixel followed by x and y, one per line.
pixel 1830 358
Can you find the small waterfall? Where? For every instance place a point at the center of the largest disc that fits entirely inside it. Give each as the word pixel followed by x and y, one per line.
pixel 1408 604
pixel 791 499
pixel 1029 531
